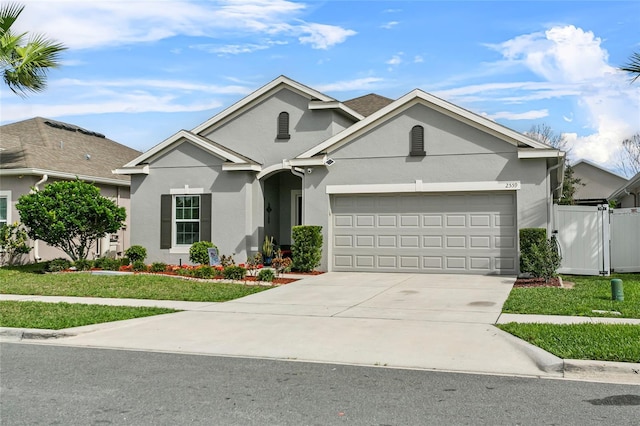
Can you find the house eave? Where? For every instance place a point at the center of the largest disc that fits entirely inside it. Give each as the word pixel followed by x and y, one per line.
pixel 525 153
pixel 242 167
pixel 63 175
pixel 335 105
pixel 320 160
pixel 138 170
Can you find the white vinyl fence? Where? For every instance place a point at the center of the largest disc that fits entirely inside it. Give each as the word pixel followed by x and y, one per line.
pixel 598 240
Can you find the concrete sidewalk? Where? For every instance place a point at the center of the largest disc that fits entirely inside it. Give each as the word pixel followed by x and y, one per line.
pixel 439 322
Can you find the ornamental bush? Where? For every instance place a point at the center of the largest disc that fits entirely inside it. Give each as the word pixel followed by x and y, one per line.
pixel 199 252
pixel 233 272
pixel 266 275
pixel 307 247
pixel 110 264
pixel 135 253
pixel 539 256
pixel 83 264
pixel 204 272
pixel 158 267
pixel 57 265
pixel 13 244
pixel 139 266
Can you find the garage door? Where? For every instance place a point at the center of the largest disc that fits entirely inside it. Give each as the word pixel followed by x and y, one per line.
pixel 472 233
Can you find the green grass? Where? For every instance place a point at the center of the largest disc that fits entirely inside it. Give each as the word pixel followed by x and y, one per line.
pixel 56 316
pixel 589 293
pixel 603 342
pixel 26 280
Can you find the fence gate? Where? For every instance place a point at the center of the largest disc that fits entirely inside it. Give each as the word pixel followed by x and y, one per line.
pixel 625 240
pixel 583 236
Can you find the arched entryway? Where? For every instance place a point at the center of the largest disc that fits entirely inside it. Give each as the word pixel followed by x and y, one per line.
pixel 282 191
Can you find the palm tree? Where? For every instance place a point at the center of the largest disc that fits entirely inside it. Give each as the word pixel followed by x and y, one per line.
pixel 633 66
pixel 25 61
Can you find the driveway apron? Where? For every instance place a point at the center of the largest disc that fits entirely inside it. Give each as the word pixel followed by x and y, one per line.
pixel 442 322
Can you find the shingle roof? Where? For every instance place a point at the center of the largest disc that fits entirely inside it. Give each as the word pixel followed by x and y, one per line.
pixel 44 144
pixel 368 104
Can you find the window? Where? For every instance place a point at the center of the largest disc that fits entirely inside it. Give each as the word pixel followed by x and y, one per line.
pixel 5 210
pixel 417 142
pixel 283 126
pixel 185 219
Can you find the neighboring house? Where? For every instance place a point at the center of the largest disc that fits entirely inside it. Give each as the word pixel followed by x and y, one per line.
pixel 415 184
pixel 628 195
pixel 596 183
pixel 39 151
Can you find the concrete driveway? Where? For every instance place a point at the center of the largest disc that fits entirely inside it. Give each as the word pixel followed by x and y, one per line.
pixel 441 322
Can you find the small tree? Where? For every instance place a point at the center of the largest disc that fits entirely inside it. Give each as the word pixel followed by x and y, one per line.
pixel 136 253
pixel 199 252
pixel 70 215
pixel 629 157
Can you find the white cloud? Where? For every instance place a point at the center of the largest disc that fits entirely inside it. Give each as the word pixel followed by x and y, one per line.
pixel 96 24
pixel 573 63
pixel 321 36
pixel 389 25
pixel 418 59
pixel 529 115
pixel 395 59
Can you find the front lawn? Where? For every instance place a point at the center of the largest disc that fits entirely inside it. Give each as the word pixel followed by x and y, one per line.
pixel 603 342
pixel 56 316
pixel 588 294
pixel 26 280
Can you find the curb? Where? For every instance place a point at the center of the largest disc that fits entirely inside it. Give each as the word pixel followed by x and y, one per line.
pixel 32 334
pixel 607 371
pixel 544 360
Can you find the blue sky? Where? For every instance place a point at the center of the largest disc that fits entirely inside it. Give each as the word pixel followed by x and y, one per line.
pixel 139 71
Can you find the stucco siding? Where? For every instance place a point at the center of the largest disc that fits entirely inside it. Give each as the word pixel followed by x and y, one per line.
pixel 189 167
pixel 254 132
pixel 595 183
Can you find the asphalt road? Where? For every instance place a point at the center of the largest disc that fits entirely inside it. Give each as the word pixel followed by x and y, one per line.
pixel 44 384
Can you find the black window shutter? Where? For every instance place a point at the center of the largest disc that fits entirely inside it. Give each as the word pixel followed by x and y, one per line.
pixel 165 221
pixel 283 126
pixel 417 141
pixel 205 217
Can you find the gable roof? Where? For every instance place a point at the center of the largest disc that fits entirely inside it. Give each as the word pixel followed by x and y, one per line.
pixel 44 146
pixel 265 91
pixel 137 164
pixel 368 104
pixel 624 190
pixel 417 96
pixel 592 164
pixel 317 100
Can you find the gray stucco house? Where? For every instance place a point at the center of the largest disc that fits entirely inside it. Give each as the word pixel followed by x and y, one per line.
pixel 415 184
pixel 597 183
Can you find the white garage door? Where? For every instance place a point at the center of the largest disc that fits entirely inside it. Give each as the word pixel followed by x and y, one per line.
pixel 472 233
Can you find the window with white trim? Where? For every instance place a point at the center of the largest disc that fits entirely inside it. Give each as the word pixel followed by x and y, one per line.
pixel 186 219
pixel 5 208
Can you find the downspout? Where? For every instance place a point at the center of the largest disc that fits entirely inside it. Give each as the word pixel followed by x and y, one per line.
pixel 550 196
pixel 36 247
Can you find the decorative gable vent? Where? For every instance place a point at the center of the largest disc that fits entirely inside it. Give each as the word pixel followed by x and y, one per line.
pixel 283 126
pixel 417 142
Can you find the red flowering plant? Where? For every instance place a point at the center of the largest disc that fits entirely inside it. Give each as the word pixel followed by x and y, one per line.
pixel 280 264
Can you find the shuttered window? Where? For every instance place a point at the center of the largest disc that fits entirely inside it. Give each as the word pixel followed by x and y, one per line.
pixel 283 125
pixel 417 142
pixel 185 219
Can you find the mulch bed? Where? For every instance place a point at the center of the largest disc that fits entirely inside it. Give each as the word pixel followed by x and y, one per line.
pixel 538 282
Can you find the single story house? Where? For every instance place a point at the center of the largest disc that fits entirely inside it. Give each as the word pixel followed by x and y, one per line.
pixel 39 151
pixel 596 183
pixel 628 195
pixel 415 184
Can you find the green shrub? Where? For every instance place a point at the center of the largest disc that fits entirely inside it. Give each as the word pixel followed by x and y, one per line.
pixel 205 272
pixel 539 256
pixel 98 262
pixel 233 272
pixel 139 266
pixel 83 264
pixel 199 252
pixel 135 253
pixel 307 247
pixel 266 275
pixel 110 264
pixel 13 244
pixel 125 261
pixel 57 265
pixel 158 267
